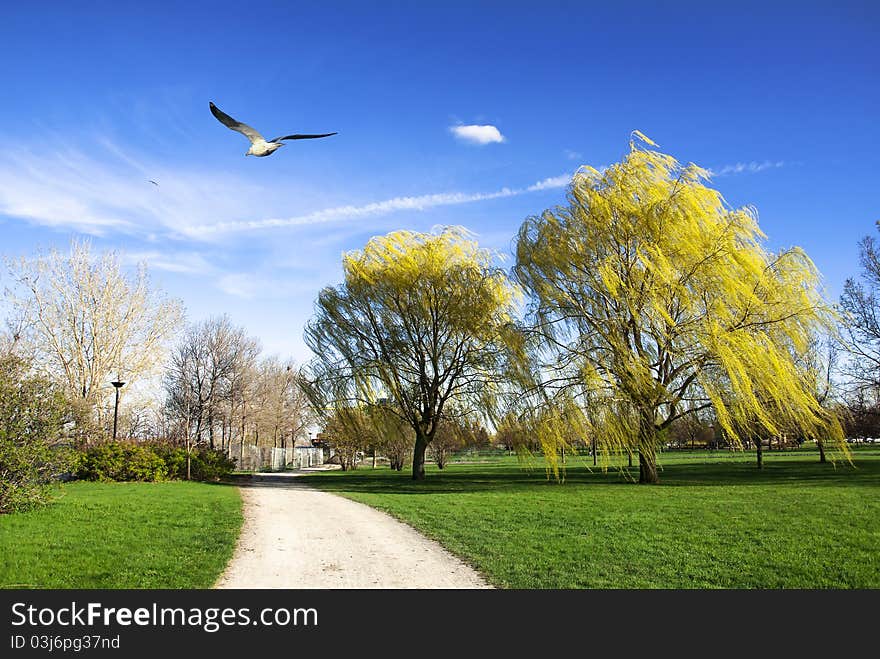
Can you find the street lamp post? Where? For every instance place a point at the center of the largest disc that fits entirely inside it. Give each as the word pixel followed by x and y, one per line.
pixel 118 385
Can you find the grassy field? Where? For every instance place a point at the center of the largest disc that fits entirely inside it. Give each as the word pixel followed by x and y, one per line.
pixel 714 522
pixel 122 535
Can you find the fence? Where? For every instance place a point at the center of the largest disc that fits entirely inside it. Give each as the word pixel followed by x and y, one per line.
pixel 266 458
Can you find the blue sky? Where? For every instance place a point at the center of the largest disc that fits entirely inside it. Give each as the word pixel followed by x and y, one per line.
pixel 780 99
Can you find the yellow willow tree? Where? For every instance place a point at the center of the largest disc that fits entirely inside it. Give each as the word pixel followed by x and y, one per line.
pixel 420 322
pixel 649 290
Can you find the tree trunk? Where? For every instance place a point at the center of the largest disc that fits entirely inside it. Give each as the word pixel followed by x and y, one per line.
pixel 374 457
pixel 648 467
pixel 821 451
pixel 418 469
pixel 759 452
pixel 594 451
pixel 188 460
pixel 211 428
pixel 648 449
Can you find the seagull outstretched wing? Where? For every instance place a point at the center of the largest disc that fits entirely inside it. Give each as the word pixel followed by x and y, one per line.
pixel 302 137
pixel 229 122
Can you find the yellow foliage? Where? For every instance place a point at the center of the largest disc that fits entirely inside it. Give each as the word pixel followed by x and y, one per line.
pixel 408 260
pixel 423 320
pixel 658 293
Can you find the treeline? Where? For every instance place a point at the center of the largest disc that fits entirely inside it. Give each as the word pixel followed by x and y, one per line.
pixel 78 322
pixel 358 433
pixel 644 313
pixel 654 316
pixel 220 391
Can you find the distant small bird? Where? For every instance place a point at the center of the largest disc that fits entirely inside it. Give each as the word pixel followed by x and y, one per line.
pixel 154 183
pixel 259 146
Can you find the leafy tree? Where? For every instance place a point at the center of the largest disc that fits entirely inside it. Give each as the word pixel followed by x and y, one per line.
pixel 512 435
pixel 390 435
pixel 421 319
pixel 648 288
pixel 398 447
pixel 450 436
pixel 478 437
pixel 32 412
pixel 349 432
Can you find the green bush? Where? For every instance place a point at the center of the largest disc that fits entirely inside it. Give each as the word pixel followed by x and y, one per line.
pixel 31 416
pixel 210 465
pixel 124 461
pixel 174 458
pixel 121 461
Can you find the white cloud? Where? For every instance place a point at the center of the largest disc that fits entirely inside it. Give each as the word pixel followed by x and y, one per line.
pixel 106 189
pixel 181 262
pixel 573 155
pixel 419 203
pixel 477 134
pixel 549 183
pixel 248 285
pixel 747 167
pixel 338 213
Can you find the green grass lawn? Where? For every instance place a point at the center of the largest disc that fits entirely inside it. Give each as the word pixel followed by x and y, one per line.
pixel 714 522
pixel 122 535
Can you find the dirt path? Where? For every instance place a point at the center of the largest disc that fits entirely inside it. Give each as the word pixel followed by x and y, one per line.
pixel 297 537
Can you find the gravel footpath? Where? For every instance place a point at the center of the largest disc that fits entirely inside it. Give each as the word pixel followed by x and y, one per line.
pixel 295 536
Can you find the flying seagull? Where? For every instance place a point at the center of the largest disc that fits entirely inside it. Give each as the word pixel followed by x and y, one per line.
pixel 259 146
pixel 154 183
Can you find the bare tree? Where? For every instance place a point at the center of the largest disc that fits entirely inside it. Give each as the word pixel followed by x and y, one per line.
pixel 208 375
pixel 220 394
pixel 186 384
pixel 285 414
pixel 87 321
pixel 860 303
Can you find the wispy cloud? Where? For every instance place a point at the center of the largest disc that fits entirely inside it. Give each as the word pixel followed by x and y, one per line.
pixel 185 262
pixel 249 286
pixel 56 191
pixel 103 189
pixel 106 190
pixel 477 134
pixel 747 167
pixel 573 155
pixel 419 203
pixel 549 183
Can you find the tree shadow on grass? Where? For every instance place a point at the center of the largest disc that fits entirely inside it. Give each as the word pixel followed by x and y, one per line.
pixel 783 472
pixel 485 478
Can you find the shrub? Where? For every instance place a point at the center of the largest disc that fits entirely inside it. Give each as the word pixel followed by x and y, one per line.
pixel 121 461
pixel 174 458
pixel 31 415
pixel 210 465
pixel 124 461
